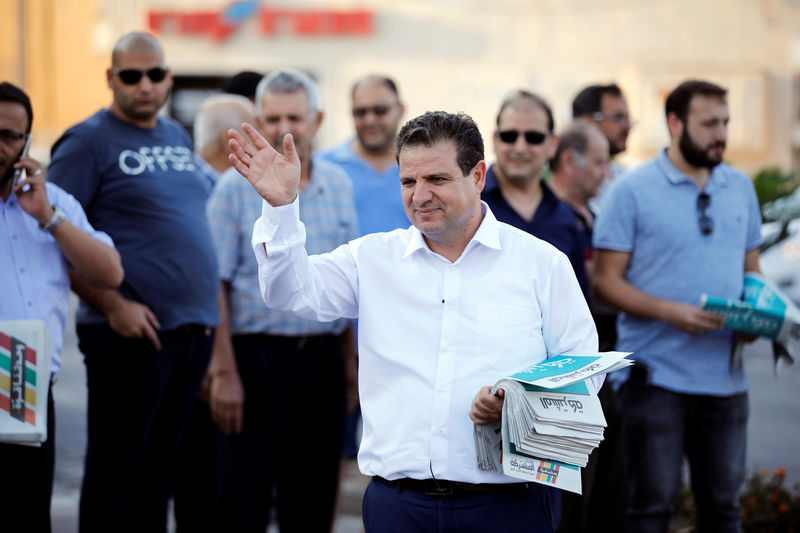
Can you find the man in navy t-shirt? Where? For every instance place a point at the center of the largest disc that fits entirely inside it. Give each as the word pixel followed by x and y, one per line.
pixel 523 144
pixel 146 345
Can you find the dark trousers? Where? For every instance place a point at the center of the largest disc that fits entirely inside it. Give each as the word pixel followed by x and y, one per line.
pixel 292 435
pixel 603 480
pixel 195 494
pixel 138 406
pixel 388 509
pixel 661 426
pixel 26 482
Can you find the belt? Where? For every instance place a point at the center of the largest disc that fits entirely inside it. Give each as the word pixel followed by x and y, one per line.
pixel 443 487
pixel 194 329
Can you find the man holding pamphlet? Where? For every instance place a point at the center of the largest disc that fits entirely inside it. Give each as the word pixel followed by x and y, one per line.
pixel 44 233
pixel 446 306
pixel 682 225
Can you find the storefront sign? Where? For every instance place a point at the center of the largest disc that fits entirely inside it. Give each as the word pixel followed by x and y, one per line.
pixel 218 25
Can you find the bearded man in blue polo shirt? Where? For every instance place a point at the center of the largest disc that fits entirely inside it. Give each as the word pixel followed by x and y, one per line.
pixel 681 225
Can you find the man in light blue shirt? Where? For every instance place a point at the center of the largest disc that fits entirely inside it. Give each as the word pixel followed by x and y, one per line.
pixel 681 225
pixel 369 159
pixel 44 232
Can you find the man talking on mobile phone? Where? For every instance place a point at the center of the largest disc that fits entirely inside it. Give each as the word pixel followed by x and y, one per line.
pixel 44 233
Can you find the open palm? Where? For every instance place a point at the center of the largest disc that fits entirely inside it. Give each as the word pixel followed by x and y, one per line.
pixel 274 176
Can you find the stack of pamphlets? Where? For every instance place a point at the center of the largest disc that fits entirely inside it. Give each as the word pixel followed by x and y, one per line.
pixel 25 347
pixel 552 420
pixel 763 312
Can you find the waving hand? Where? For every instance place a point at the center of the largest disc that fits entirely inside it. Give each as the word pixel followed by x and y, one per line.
pixel 274 176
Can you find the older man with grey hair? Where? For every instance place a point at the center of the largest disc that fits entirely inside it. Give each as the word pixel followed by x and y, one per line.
pixel 275 376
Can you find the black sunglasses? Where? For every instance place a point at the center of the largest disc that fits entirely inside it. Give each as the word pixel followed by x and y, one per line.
pixel 532 137
pixel 11 136
pixel 132 76
pixel 705 221
pixel 378 111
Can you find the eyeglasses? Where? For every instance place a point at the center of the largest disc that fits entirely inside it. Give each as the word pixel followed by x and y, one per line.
pixel 705 221
pixel 615 117
pixel 377 110
pixel 532 137
pixel 132 76
pixel 11 136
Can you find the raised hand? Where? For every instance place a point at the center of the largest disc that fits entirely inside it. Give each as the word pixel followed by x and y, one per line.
pixel 274 176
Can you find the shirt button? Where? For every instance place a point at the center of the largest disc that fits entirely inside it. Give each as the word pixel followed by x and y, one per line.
pixel 21 270
pixel 14 236
pixel 30 304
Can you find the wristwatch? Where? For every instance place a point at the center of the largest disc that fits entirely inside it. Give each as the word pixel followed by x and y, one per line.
pixel 58 217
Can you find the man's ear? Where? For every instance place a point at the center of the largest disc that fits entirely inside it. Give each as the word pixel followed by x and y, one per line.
pixel 675 126
pixel 478 173
pixel 318 121
pixel 551 149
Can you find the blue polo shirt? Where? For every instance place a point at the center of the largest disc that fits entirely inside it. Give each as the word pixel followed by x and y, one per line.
pixel 554 222
pixel 377 194
pixel 652 214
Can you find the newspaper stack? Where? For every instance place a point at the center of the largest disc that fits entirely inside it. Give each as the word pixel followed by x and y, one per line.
pixel 552 420
pixel 763 312
pixel 25 347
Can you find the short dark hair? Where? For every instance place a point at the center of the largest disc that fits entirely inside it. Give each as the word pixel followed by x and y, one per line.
pixel 243 83
pixel 680 97
pixel 574 138
pixel 383 80
pixel 589 100
pixel 522 94
pixel 11 93
pixel 439 126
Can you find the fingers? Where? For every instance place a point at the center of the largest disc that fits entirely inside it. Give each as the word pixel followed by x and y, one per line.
pixel 288 148
pixel 151 317
pixel 152 336
pixel 487 407
pixel 227 413
pixel 255 137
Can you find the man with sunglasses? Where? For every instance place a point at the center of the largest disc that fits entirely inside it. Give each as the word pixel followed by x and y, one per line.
pixel 369 158
pixel 681 225
pixel 44 232
pixel 147 345
pixel 524 142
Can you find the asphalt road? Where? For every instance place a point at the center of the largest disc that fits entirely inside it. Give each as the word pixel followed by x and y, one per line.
pixel 773 433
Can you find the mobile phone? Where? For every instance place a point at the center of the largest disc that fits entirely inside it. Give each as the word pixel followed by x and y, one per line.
pixel 21 174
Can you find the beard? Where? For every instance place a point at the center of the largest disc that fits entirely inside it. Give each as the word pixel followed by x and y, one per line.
pixel 696 155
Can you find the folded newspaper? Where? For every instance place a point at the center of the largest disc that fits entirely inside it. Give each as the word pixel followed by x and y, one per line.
pixel 25 347
pixel 763 312
pixel 551 421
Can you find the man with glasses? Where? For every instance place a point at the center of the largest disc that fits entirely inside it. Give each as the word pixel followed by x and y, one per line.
pixel 606 107
pixel 523 144
pixel 368 159
pixel 147 345
pixel 275 376
pixel 681 225
pixel 44 232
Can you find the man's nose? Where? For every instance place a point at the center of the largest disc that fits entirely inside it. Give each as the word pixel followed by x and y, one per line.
pixel 422 193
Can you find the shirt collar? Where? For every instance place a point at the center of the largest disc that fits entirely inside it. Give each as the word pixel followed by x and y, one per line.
pixel 487 234
pixel 675 176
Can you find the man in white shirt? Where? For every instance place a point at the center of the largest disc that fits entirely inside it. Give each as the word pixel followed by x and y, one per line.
pixel 446 307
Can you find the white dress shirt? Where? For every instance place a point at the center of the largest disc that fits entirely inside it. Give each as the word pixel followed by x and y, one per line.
pixel 431 332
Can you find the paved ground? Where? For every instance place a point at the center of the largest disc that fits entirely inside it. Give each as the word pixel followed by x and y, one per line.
pixel 773 433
